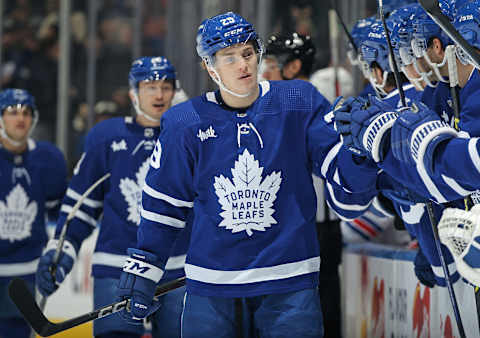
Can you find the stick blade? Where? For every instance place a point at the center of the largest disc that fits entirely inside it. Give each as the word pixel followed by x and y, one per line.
pixel 25 302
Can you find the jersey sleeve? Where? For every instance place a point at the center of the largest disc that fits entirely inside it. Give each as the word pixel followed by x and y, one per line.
pixel 350 180
pixel 91 166
pixel 56 183
pixel 167 195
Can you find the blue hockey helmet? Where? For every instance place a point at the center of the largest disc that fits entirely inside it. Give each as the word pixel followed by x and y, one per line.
pixel 375 48
pixel 401 32
pixel 150 69
pixel 222 31
pixel 391 5
pixel 467 24
pixel 358 33
pixel 425 29
pixel 14 97
pixel 17 98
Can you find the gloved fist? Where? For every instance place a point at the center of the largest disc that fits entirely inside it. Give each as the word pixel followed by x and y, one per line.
pixel 423 270
pixel 416 134
pixel 47 283
pixel 364 126
pixel 138 282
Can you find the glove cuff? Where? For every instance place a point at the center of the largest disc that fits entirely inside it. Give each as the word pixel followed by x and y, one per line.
pixel 140 263
pixel 68 248
pixel 422 137
pixel 373 138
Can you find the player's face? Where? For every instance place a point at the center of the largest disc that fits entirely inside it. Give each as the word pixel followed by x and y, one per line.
pixel 17 122
pixel 237 66
pixel 272 69
pixel 155 97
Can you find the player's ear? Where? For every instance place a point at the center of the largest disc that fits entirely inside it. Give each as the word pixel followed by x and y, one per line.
pixel 438 47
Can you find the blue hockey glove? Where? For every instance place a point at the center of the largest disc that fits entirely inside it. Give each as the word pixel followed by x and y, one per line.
pixel 46 283
pixel 416 134
pixel 423 270
pixel 138 282
pixel 365 126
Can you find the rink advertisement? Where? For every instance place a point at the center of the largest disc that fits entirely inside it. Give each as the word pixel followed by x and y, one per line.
pixel 383 298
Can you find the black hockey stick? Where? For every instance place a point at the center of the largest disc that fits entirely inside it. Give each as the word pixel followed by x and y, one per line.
pixel 433 10
pixel 25 302
pixel 345 29
pixel 61 238
pixel 429 205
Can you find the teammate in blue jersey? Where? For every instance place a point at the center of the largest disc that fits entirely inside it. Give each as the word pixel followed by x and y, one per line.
pixel 242 158
pixel 121 147
pixel 33 180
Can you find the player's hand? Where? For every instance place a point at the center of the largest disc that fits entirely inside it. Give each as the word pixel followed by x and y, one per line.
pixel 364 126
pixel 416 133
pixel 138 282
pixel 46 281
pixel 423 270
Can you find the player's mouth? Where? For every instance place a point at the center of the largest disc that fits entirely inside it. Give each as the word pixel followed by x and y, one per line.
pixel 159 105
pixel 245 77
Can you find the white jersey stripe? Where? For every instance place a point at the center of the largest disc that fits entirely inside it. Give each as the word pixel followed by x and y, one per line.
pixel 117 261
pixel 80 215
pixel 158 195
pixel 330 156
pixel 438 270
pixel 456 187
pixel 87 201
pixel 18 269
pixel 353 207
pixel 52 204
pixel 472 150
pixel 255 275
pixel 154 217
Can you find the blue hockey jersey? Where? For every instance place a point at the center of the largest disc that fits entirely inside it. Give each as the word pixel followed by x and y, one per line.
pixel 121 147
pixel 247 175
pixel 32 185
pixel 411 94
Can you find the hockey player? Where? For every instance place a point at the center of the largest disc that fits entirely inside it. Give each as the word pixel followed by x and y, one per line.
pixel 294 54
pixel 242 157
pixel 33 182
pixel 120 146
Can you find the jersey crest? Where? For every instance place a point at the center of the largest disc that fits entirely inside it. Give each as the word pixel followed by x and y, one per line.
pixel 132 192
pixel 17 215
pixel 246 201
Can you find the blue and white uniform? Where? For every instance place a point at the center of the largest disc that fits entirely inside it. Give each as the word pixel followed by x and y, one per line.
pixel 239 170
pixel 121 147
pixel 32 185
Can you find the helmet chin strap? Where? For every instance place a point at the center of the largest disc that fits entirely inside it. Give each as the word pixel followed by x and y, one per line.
pixel 136 105
pixel 436 66
pixel 218 80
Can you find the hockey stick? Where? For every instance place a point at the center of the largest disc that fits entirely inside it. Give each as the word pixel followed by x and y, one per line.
pixel 345 29
pixel 333 34
pixel 433 10
pixel 391 56
pixel 25 302
pixel 61 238
pixel 428 204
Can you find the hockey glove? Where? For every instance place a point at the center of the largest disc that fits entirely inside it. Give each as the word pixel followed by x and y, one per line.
pixel 459 230
pixel 138 282
pixel 365 126
pixel 423 270
pixel 417 133
pixel 46 282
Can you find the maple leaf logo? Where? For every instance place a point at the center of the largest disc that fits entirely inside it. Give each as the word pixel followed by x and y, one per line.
pixel 17 215
pixel 247 202
pixel 132 191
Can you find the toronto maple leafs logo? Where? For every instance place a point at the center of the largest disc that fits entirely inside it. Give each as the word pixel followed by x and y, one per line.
pixel 247 202
pixel 132 191
pixel 17 215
